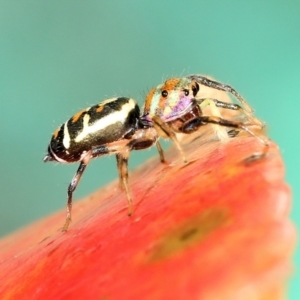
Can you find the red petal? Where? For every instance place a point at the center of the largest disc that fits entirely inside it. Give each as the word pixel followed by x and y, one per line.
pixel 216 228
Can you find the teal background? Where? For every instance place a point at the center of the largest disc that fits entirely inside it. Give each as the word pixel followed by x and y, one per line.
pixel 57 57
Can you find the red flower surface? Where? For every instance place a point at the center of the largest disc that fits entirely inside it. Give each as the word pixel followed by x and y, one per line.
pixel 216 228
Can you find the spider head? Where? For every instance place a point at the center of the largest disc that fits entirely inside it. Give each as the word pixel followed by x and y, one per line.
pixel 171 100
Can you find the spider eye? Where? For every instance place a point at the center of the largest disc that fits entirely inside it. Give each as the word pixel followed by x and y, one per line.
pixel 164 93
pixel 195 88
pixel 186 92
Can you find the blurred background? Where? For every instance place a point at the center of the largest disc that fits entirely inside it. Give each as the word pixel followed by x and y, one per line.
pixel 57 57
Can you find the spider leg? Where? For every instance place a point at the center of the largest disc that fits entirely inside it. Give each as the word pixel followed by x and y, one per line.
pixel 160 151
pixel 165 131
pixel 222 87
pixel 214 103
pixel 233 124
pixel 142 139
pixel 119 166
pixel 72 186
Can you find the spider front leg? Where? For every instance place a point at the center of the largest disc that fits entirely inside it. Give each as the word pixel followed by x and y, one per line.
pixel 165 131
pixel 238 125
pixel 222 87
pixel 214 104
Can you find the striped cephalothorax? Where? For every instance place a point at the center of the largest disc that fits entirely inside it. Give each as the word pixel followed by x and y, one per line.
pixel 110 127
pixel 176 106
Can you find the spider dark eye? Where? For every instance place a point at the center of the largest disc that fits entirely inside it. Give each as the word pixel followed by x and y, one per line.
pixel 164 93
pixel 186 92
pixel 195 88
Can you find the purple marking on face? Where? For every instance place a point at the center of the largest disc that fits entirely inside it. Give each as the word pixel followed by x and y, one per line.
pixel 180 108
